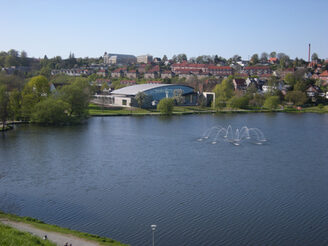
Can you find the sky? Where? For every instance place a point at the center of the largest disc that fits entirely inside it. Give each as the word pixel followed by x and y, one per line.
pixel 88 28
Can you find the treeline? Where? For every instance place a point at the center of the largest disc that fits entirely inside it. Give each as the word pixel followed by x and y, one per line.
pixel 227 97
pixel 36 102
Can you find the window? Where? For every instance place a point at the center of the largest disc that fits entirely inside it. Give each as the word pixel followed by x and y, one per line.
pixel 124 102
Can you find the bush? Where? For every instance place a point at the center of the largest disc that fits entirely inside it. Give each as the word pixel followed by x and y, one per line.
pixel 238 102
pixel 51 111
pixel 165 106
pixel 271 102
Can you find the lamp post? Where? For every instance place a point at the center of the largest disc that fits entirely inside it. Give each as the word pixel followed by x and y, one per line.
pixel 153 228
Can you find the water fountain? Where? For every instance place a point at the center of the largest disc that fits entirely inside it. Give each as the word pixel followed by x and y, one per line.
pixel 244 134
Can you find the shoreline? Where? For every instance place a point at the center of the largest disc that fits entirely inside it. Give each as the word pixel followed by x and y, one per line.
pixel 55 233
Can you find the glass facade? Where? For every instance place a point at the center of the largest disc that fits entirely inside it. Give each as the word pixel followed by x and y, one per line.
pixel 168 91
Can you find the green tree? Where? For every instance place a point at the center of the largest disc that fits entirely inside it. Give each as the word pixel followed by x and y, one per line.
pixel 296 97
pixel 314 57
pixel 238 102
pixel 165 106
pixel 224 91
pixel 271 102
pixel 257 100
pixel 4 105
pixel 15 99
pixel 28 103
pixel 254 59
pixel 300 86
pixel 273 54
pixel 38 86
pixel 77 95
pixel 51 111
pixel 140 98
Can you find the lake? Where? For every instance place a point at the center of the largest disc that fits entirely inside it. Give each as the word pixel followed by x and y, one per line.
pixel 115 176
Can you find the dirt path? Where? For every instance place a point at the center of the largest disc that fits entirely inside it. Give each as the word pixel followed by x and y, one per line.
pixel 58 238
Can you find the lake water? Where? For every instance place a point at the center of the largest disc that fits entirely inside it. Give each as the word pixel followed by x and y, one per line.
pixel 116 176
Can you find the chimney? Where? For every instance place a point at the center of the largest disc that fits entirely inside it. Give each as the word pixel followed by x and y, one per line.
pixel 309 52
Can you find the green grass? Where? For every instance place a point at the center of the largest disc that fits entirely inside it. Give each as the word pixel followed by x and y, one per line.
pixel 12 237
pixel 41 225
pixel 97 110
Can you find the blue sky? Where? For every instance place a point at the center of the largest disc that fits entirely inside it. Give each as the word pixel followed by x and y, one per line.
pixel 89 28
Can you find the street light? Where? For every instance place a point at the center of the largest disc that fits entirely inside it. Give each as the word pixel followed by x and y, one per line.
pixel 153 228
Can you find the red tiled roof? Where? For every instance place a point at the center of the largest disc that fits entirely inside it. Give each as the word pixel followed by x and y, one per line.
pixel 257 67
pixel 132 71
pixel 219 67
pixel 324 74
pixel 189 65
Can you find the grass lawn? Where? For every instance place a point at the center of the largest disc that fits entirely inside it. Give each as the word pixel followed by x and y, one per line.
pixel 97 110
pixel 12 237
pixel 41 225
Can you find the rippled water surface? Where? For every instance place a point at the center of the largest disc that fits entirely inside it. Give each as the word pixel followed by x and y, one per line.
pixel 116 176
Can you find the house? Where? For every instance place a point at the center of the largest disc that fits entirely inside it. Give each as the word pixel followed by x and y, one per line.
pixel 188 66
pixel 239 84
pixel 273 60
pixel 313 91
pixel 118 73
pixel 324 77
pixel 102 72
pixel 257 70
pixel 153 73
pixel 167 74
pixel 128 82
pixel 132 74
pixel 220 70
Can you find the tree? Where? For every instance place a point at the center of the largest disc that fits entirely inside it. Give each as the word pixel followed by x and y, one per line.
pixel 255 59
pixel 273 54
pixel 182 58
pixel 15 99
pixel 271 102
pixel 257 100
pixel 77 95
pixel 38 86
pixel 51 111
pixel 300 86
pixel 296 97
pixel 264 56
pixel 140 98
pixel 238 102
pixel 4 105
pixel 165 106
pixel 224 91
pixel 314 57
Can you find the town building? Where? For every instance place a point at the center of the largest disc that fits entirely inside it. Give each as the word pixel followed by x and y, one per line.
pixel 239 84
pixel 126 97
pixel 257 70
pixel 144 59
pixel 119 59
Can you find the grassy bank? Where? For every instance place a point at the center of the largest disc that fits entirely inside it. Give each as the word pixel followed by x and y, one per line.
pixel 95 110
pixel 41 225
pixel 10 236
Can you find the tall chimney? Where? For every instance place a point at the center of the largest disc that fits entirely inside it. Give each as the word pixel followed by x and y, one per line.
pixel 309 52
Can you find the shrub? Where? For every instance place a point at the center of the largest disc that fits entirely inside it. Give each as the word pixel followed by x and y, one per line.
pixel 165 106
pixel 271 102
